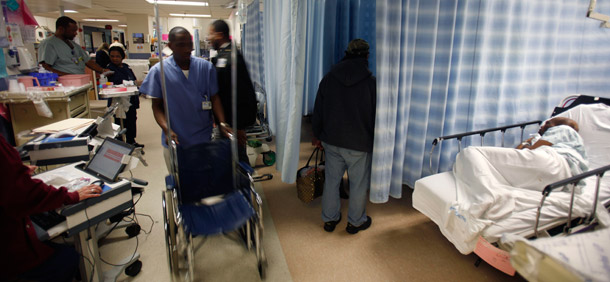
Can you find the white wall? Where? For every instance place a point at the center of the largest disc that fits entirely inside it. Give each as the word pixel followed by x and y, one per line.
pixel 48 22
pixel 137 23
pixel 190 24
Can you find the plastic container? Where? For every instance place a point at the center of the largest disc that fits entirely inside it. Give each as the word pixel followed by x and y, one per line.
pixel 45 79
pixel 74 79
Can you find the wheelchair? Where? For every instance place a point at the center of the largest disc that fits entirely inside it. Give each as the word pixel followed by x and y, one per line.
pixel 205 171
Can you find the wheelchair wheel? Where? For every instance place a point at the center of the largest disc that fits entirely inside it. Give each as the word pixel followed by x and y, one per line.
pixel 170 233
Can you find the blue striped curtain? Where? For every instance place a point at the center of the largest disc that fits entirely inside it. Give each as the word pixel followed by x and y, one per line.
pixel 284 52
pixel 331 25
pixel 252 41
pixel 445 67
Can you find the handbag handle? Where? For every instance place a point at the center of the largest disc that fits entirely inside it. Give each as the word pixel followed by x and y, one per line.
pixel 316 152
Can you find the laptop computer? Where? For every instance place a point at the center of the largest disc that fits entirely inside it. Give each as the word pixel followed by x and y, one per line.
pixel 107 163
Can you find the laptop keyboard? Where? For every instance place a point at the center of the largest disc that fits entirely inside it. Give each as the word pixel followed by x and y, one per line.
pixel 47 220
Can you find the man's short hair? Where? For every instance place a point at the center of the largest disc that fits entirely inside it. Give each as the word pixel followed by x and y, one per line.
pixel 222 27
pixel 115 39
pixel 357 47
pixel 118 49
pixel 175 31
pixel 64 22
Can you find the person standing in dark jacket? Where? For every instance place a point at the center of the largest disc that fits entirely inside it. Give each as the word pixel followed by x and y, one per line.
pixel 101 55
pixel 246 99
pixel 24 257
pixel 343 123
pixel 122 72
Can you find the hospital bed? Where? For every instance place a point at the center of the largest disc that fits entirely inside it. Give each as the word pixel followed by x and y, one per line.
pixel 434 195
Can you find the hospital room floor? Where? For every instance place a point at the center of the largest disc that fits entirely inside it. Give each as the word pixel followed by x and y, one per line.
pixel 402 244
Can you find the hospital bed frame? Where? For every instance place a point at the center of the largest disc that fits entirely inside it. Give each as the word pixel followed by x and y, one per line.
pixel 260 130
pixel 585 222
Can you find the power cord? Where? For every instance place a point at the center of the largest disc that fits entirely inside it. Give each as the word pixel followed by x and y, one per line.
pixel 151 224
pixel 89 247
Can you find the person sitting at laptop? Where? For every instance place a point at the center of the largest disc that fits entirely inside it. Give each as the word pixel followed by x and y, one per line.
pixel 24 257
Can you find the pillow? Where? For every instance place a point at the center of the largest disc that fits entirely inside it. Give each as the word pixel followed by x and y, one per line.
pixel 594 128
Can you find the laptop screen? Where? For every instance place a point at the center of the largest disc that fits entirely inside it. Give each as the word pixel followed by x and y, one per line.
pixel 106 163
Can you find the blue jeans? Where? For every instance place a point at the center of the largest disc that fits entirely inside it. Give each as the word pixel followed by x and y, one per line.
pixel 358 165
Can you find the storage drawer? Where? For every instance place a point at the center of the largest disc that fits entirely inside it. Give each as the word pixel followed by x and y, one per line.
pixel 77 100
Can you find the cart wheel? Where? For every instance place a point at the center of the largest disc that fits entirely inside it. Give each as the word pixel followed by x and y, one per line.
pixel 269 158
pixel 261 270
pixel 133 269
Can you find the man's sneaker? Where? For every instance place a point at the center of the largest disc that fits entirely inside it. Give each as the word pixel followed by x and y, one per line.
pixel 330 225
pixel 354 229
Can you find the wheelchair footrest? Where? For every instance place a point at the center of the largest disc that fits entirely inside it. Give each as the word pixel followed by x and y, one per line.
pixel 225 216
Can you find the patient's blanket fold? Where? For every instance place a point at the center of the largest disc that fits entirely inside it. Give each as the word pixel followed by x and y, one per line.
pixel 492 183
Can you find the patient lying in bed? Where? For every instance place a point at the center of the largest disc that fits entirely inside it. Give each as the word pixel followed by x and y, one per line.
pixel 494 182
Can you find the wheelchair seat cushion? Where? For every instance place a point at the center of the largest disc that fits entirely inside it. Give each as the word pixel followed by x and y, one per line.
pixel 224 216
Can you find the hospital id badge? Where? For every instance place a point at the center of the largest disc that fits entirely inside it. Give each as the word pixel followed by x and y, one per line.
pixel 222 62
pixel 206 105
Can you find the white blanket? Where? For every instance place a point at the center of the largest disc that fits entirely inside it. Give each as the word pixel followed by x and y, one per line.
pixel 492 183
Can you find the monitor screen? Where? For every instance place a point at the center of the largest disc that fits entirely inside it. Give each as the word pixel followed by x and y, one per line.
pixel 107 161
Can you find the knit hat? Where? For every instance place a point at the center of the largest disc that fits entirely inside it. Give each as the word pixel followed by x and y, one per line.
pixel 357 47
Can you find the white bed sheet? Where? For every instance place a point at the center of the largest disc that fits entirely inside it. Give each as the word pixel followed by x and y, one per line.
pixel 434 194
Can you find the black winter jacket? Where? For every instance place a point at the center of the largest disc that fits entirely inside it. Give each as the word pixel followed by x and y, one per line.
pixel 246 98
pixel 344 111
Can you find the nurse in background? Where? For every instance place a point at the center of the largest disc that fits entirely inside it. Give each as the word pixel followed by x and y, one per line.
pixel 123 72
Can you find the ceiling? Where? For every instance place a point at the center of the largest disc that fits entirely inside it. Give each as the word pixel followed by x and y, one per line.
pixel 116 9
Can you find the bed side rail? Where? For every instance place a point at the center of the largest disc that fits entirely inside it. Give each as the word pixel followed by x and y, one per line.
pixel 599 172
pixel 481 133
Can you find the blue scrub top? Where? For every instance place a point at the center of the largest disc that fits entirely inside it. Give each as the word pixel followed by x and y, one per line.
pixel 188 119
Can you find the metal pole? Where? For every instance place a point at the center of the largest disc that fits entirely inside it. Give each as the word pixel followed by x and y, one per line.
pixel 234 107
pixel 172 153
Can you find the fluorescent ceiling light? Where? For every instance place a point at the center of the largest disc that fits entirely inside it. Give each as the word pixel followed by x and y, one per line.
pixel 122 25
pixel 70 11
pixel 181 3
pixel 100 20
pixel 191 15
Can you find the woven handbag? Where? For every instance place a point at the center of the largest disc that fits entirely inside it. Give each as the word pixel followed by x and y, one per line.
pixel 310 179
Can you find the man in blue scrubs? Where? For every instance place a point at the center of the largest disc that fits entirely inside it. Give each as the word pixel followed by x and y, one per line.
pixel 191 87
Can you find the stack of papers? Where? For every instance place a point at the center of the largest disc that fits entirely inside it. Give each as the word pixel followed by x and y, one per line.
pixel 72 124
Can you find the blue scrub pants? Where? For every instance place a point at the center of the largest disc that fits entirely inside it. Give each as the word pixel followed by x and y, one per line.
pixel 358 165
